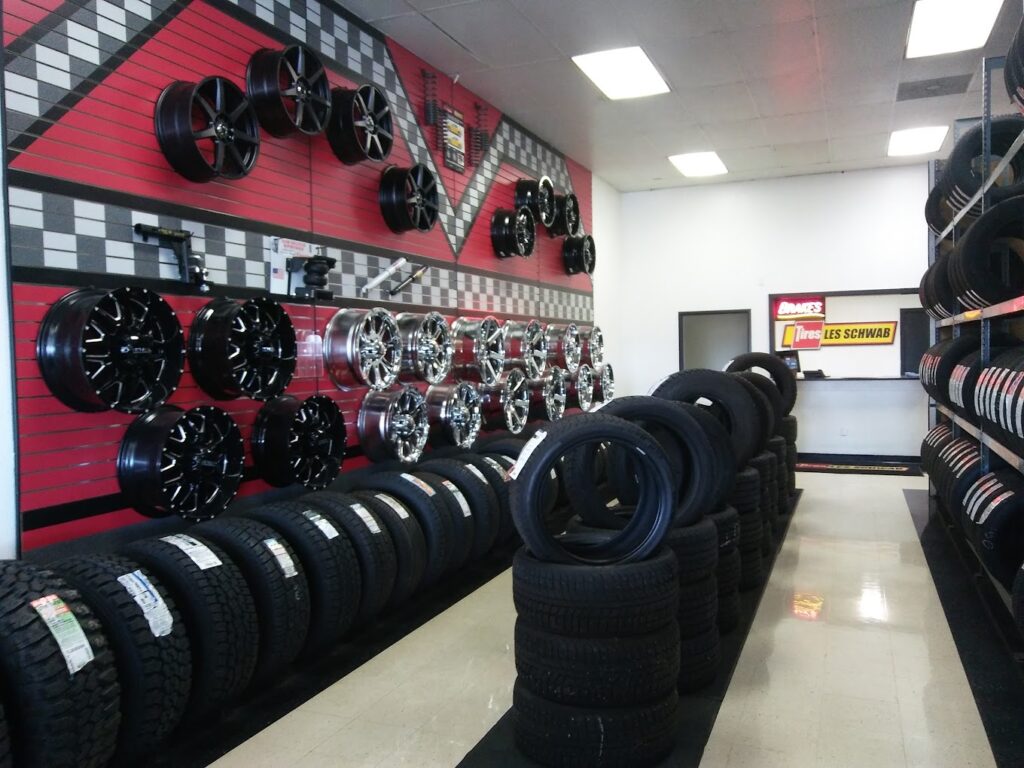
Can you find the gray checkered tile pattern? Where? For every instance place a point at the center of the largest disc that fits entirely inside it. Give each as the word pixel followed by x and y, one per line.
pixel 73 51
pixel 565 305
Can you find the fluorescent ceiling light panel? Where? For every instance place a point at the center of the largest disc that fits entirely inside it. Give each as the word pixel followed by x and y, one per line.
pixel 697 164
pixel 917 141
pixel 622 73
pixel 948 26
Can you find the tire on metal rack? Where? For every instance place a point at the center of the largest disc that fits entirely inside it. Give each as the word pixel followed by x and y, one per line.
pixel 539 196
pixel 579 255
pixel 568 222
pixel 513 233
pixel 936 291
pixel 454 414
pixel 978 271
pixel 361 126
pixel 506 404
pixel 427 348
pixel 242 349
pixel 363 347
pixel 938 211
pixel 962 178
pixel 187 463
pixel 479 349
pixel 777 371
pixel 994 522
pixel 393 425
pixel 299 441
pixel 289 91
pixel 207 129
pixel 122 349
pixel 526 347
pixel 938 437
pixel 408 199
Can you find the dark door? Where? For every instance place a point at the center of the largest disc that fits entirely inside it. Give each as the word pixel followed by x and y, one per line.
pixel 712 339
pixel 914 329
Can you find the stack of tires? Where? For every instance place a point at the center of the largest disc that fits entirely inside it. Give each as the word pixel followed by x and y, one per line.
pixel 102 657
pixel 597 641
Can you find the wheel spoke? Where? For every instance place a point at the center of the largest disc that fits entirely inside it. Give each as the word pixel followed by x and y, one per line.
pixel 205 106
pixel 206 133
pixel 218 158
pixel 218 99
pixel 290 68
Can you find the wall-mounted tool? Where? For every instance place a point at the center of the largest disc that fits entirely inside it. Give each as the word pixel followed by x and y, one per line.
pixel 416 275
pixel 192 267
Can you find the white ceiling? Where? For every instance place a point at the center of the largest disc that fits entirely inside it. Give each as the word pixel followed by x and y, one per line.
pixel 776 87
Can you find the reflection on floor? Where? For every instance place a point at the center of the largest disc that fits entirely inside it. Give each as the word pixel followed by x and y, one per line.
pixel 849 662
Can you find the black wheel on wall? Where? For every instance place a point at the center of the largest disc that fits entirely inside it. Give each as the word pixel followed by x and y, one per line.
pixel 361 126
pixel 207 129
pixel 289 90
pixel 513 233
pixel 539 196
pixel 181 462
pixel 579 255
pixel 567 216
pixel 408 198
pixel 299 441
pixel 242 349
pixel 121 349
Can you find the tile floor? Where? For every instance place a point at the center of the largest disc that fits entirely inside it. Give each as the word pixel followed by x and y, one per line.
pixel 849 663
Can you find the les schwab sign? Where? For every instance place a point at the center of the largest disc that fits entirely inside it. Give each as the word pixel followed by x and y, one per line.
pixel 817 333
pixel 802 308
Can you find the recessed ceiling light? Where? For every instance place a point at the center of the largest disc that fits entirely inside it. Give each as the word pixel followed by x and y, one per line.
pixel 622 73
pixel 917 141
pixel 696 164
pixel 948 26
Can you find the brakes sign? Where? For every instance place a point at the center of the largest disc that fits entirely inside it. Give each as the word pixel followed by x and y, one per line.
pixel 806 334
pixel 802 308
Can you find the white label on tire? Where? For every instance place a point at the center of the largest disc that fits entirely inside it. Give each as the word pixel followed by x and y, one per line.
pixel 367 518
pixel 423 486
pixel 150 602
pixel 598 406
pixel 612 503
pixel 528 449
pixel 477 472
pixel 198 553
pixel 463 504
pixel 324 525
pixel 395 504
pixel 284 560
pixel 64 626
pixel 497 467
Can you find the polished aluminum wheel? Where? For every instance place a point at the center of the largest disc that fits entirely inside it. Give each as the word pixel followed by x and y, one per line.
pixel 592 340
pixel 479 349
pixel 604 384
pixel 427 349
pixel 565 347
pixel 454 413
pixel 526 347
pixel 549 396
pixel 393 425
pixel 363 347
pixel 581 388
pixel 506 404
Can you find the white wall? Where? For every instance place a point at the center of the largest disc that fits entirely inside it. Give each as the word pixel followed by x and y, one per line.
pixel 607 213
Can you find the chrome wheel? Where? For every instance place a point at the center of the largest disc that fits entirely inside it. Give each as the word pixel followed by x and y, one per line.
pixel 526 347
pixel 479 349
pixel 393 425
pixel 427 349
pixel 363 347
pixel 604 384
pixel 565 347
pixel 455 414
pixel 506 405
pixel 549 396
pixel 592 346
pixel 581 388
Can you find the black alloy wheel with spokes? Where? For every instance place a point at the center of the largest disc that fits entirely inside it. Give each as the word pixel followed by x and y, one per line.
pixel 121 349
pixel 187 463
pixel 408 198
pixel 299 441
pixel 513 233
pixel 579 255
pixel 539 196
pixel 289 90
pixel 207 129
pixel 567 216
pixel 362 127
pixel 242 349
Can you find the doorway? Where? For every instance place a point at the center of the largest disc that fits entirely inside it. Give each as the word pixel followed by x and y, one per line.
pixel 914 332
pixel 712 339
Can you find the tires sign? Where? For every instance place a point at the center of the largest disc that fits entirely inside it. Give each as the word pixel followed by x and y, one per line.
pixel 815 334
pixel 805 335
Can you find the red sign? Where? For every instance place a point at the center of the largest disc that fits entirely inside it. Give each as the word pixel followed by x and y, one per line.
pixel 802 308
pixel 807 334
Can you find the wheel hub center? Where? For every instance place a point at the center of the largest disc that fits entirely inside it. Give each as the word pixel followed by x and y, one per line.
pixel 222 128
pixel 371 125
pixel 302 89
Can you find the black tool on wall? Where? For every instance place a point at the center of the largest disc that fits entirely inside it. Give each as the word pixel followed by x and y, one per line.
pixel 192 267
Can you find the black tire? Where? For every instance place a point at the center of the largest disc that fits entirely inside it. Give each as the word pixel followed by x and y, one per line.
pixel 735 405
pixel 598 672
pixel 698 606
pixel 789 429
pixel 728 611
pixel 727 523
pixel 407 538
pixel 331 566
pixel 148 638
pixel 430 511
pixel 219 614
pixel 649 524
pixel 481 498
pixel 570 737
pixel 696 548
pixel 374 548
pixel 746 495
pixel 721 446
pixel 765 414
pixel 56 717
pixel 278 585
pixel 596 601
pixel 767 388
pixel 727 575
pixel 497 476
pixel 752 566
pixel 1018 600
pixel 461 523
pixel 699 659
pixel 777 371
pixel 962 178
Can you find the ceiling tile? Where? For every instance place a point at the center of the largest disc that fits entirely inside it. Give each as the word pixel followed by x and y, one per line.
pixel 804 153
pixel 858 120
pixel 671 140
pixel 938 110
pixel 371 10
pixel 416 33
pixel 832 7
pixel 579 26
pixel 871 37
pixel 862 85
pixel 675 18
pixel 789 94
pixel 720 103
pixel 781 49
pixel 695 62
pixel 430 5
pixel 808 126
pixel 742 14
pixel 732 135
pixel 741 160
pixel 494 32
pixel 859 148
